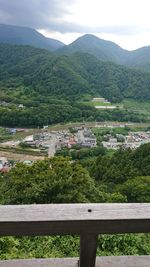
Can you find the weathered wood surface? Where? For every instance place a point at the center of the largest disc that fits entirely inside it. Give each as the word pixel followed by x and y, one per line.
pixel 88 247
pixel 121 261
pixel 74 219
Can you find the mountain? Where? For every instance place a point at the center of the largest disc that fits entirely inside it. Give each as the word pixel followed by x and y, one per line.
pixel 52 89
pixel 139 58
pixel 109 51
pixel 103 50
pixel 69 76
pixel 27 36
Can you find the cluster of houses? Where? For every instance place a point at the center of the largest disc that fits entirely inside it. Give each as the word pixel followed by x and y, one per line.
pixel 101 99
pixel 133 140
pixel 54 140
pixel 4 165
pixel 6 104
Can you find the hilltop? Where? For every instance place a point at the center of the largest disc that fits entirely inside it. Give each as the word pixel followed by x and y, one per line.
pixel 38 87
pixel 27 36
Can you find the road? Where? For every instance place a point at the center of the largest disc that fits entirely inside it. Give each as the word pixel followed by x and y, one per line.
pixel 52 146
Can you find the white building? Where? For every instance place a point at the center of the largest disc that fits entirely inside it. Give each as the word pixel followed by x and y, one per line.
pixel 3 162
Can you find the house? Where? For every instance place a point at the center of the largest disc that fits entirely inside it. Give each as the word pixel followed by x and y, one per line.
pixel 71 142
pixel 4 165
pixel 86 138
pixel 100 99
pixel 3 162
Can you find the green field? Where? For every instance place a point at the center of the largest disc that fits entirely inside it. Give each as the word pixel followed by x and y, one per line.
pixel 141 107
pixel 98 103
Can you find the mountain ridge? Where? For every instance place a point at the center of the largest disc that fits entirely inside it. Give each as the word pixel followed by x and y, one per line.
pixel 27 36
pixel 88 43
pixel 53 89
pixel 109 51
pixel 96 46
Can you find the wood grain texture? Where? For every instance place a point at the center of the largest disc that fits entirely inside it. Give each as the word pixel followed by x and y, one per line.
pixel 88 248
pixel 121 261
pixel 74 212
pixel 74 219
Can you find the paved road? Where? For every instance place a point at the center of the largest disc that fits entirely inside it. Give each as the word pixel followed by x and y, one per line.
pixel 52 146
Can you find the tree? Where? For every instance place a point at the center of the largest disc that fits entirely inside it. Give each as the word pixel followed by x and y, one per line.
pixel 55 180
pixel 137 189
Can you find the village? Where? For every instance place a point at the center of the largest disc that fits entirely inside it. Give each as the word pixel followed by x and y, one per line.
pixel 49 142
pixel 133 140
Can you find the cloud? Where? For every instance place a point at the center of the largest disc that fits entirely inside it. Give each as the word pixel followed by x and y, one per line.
pixel 66 20
pixel 119 30
pixel 33 13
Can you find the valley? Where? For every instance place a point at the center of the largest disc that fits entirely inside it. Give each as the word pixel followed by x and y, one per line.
pixel 74 128
pixel 30 145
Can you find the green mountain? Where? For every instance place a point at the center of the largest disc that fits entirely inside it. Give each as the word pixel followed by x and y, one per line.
pixel 103 50
pixel 70 76
pixel 52 88
pixel 109 51
pixel 27 36
pixel 139 58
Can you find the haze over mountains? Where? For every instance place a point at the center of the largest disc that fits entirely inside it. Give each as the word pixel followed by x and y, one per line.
pixel 102 49
pixel 27 36
pixel 54 89
pixel 109 51
pixel 84 69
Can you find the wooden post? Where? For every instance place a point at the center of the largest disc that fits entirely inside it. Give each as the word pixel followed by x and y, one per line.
pixel 88 248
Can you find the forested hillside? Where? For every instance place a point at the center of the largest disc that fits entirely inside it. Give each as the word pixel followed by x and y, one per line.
pixel 102 49
pixel 109 51
pixel 123 176
pixel 27 36
pixel 50 87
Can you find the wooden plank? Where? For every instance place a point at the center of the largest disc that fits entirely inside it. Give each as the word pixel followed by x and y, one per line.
pixel 74 219
pixel 41 263
pixel 74 212
pixel 121 261
pixel 88 248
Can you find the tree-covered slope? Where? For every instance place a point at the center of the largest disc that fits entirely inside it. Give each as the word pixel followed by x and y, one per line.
pixel 51 88
pixel 102 49
pixel 122 176
pixel 139 58
pixel 27 36
pixel 69 76
pixel 109 51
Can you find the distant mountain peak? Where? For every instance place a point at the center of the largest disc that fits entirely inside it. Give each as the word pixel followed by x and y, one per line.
pixel 19 35
pixel 102 49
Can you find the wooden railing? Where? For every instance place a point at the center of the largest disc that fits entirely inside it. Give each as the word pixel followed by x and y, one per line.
pixel 86 220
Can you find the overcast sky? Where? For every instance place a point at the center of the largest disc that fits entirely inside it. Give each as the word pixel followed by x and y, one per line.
pixel 126 22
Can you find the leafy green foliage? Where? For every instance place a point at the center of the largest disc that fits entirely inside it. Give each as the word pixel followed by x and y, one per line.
pixel 93 178
pixel 109 51
pixel 35 78
pixel 51 181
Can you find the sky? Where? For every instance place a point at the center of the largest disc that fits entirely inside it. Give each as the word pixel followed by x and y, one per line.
pixel 125 22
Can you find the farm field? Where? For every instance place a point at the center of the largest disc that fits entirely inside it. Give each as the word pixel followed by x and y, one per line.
pixel 19 157
pixel 141 107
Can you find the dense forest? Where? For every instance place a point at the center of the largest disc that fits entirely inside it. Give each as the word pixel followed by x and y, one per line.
pixel 88 43
pixel 87 176
pixel 39 88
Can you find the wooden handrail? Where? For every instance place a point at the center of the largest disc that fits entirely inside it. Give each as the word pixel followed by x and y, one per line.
pixel 86 220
